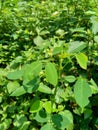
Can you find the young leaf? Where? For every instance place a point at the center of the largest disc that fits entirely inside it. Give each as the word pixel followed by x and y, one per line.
pixel 82 92
pixel 51 74
pixel 70 78
pixel 82 60
pixel 36 106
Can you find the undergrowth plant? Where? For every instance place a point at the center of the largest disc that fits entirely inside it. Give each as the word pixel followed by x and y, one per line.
pixel 49 65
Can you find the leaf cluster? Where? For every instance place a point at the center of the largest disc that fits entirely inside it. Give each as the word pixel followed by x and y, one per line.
pixel 49 65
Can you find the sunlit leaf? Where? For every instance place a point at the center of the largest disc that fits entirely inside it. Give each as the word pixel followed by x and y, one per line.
pixel 12 86
pixel 38 40
pixel 57 50
pixel 31 70
pixel 60 32
pixel 6 124
pixel 70 78
pixel 76 46
pixel 18 92
pixel 47 126
pixel 94 24
pixel 82 60
pixel 44 89
pixel 63 119
pixel 32 85
pixel 48 106
pixel 51 74
pixel 82 92
pixel 42 116
pixel 25 125
pixel 15 74
pixel 36 106
pixel 19 120
pixel 93 86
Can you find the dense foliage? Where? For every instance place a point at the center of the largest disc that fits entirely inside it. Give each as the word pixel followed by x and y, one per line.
pixel 49 65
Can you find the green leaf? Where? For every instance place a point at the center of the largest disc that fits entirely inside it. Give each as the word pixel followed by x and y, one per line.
pixel 48 106
pixel 27 73
pixel 70 78
pixel 19 120
pixel 5 125
pixel 63 120
pixel 36 106
pixel 57 50
pixel 32 85
pixel 93 86
pixel 42 116
pixel 15 75
pixel 47 126
pixel 87 113
pixel 12 86
pixel 44 32
pixel 78 30
pixel 38 40
pixel 2 73
pixel 18 92
pixel 96 39
pixel 76 46
pixel 82 92
pixel 82 60
pixel 94 24
pixel 44 89
pixel 32 70
pixel 36 67
pixel 60 32
pixel 51 74
pixel 25 125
